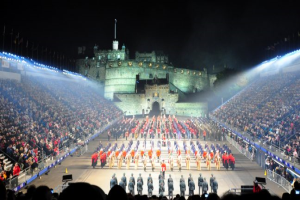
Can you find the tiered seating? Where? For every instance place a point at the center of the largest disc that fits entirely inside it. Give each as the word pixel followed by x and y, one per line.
pixel 40 116
pixel 268 109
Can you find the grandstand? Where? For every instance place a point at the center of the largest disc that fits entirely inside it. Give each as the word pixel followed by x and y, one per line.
pixel 40 119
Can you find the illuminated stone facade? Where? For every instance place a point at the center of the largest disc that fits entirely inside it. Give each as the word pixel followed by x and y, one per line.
pixel 117 73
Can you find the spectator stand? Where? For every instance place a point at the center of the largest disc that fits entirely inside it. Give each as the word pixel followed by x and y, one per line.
pixel 260 157
pixel 45 165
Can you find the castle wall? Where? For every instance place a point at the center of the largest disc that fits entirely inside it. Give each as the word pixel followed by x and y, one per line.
pixel 120 76
pixel 189 81
pixel 190 109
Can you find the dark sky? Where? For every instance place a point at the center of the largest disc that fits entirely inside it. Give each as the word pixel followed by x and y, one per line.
pixel 195 34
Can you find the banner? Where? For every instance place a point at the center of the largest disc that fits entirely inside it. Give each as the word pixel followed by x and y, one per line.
pixel 5 64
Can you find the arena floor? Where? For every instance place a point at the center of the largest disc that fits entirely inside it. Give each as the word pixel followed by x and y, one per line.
pixel 82 171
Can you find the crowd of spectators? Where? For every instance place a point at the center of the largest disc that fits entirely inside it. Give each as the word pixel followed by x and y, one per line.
pixel 268 109
pixel 79 191
pixel 39 116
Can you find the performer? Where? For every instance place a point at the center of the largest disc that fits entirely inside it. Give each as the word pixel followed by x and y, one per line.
pixel 211 155
pixel 187 161
pixel 164 140
pixel 124 155
pixel 171 161
pixel 119 161
pixel 223 158
pixel 100 152
pixel 170 188
pixel 131 188
pixel 226 161
pixel 153 163
pixel 158 155
pixel 117 153
pixel 103 160
pixel 136 160
pixel 110 161
pixel 163 168
pixel 150 188
pixel 218 163
pixel 200 183
pixel 191 187
pixel 198 161
pixel 178 151
pixel 204 154
pixel 142 153
pixel 208 162
pixel 145 162
pixel 204 186
pixel 132 153
pixel 128 159
pixel 231 160
pixel 94 159
pixel 182 187
pixel 150 154
pixel 124 179
pixel 179 163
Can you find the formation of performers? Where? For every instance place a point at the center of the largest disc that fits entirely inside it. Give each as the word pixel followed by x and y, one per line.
pixel 203 187
pixel 136 153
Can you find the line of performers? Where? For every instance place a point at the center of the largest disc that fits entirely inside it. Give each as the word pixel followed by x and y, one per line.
pixel 122 157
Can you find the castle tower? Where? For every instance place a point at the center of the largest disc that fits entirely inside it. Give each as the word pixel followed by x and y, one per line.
pixel 115 42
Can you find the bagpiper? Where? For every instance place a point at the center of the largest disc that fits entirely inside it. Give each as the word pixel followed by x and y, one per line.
pixel 136 160
pixel 171 161
pixel 179 163
pixel 153 163
pixel 208 162
pixel 187 160
pixel 128 159
pixel 198 161
pixel 145 162
pixel 218 163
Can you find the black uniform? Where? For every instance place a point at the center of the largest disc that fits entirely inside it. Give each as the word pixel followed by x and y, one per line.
pixel 150 188
pixel 161 189
pixel 182 188
pixel 200 182
pixel 204 187
pixel 191 188
pixel 211 180
pixel 122 184
pixel 170 189
pixel 131 187
pixel 139 187
pixel 124 179
pixel 132 179
pixel 215 186
pixel 112 183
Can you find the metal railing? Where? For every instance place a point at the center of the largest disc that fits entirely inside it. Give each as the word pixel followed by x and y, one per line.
pixel 240 148
pixel 280 180
pixel 281 153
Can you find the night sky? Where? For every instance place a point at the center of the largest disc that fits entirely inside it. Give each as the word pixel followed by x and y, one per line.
pixel 195 34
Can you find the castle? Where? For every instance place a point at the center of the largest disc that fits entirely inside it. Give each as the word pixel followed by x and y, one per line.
pixel 138 86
